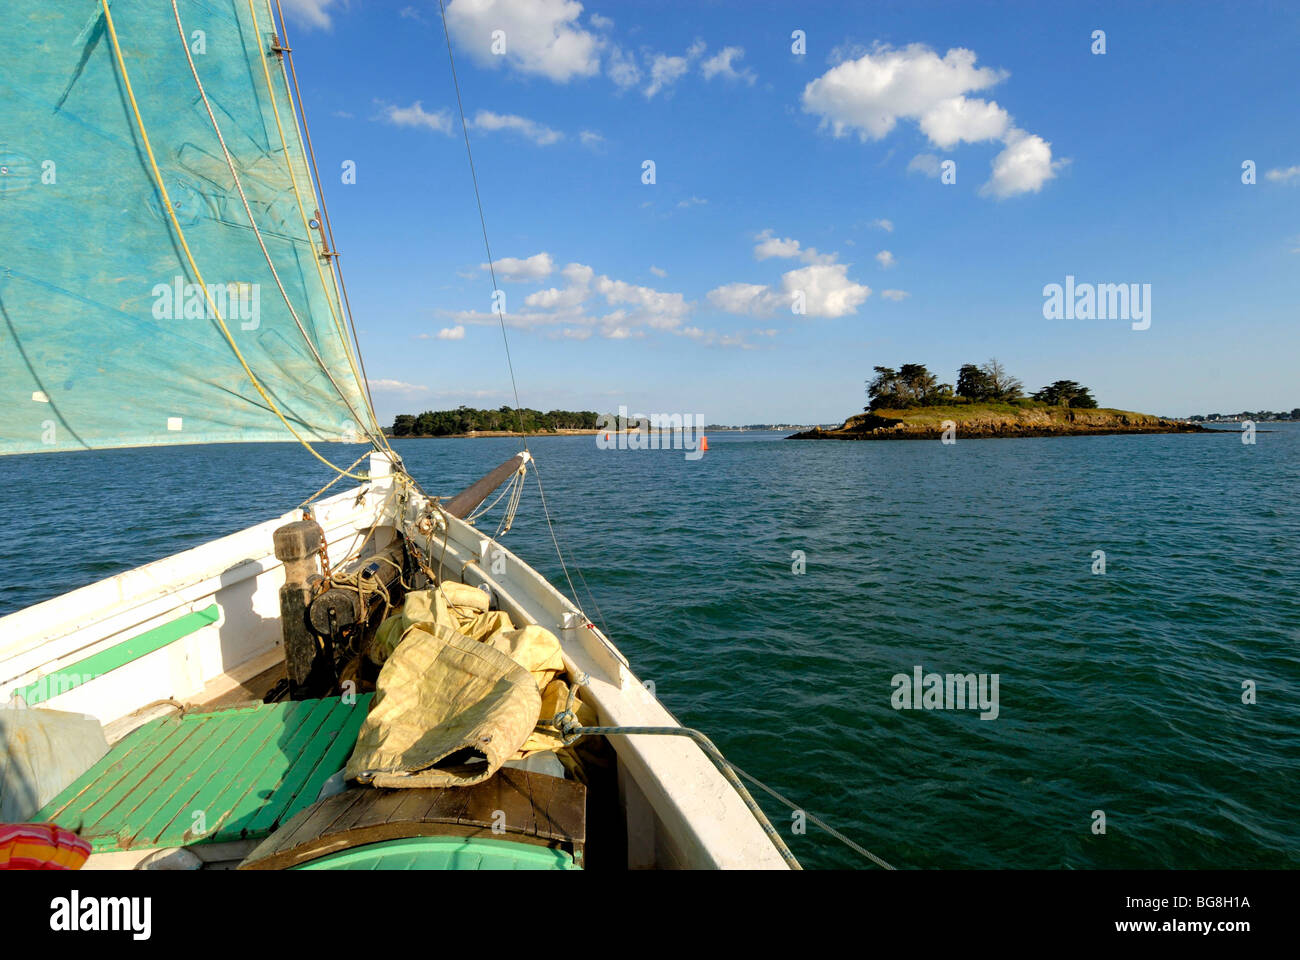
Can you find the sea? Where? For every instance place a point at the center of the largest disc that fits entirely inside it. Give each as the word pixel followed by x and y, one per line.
pixel 1126 605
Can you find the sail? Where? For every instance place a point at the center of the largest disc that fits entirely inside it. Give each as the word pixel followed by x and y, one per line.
pixel 124 322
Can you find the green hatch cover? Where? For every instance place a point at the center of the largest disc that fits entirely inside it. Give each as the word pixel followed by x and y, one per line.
pixel 232 774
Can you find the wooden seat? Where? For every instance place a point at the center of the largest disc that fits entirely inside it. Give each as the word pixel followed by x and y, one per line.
pixel 525 807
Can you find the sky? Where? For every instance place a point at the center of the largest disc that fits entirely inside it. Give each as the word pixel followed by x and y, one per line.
pixel 835 187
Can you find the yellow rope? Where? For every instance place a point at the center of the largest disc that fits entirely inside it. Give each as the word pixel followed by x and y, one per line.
pixel 293 179
pixel 180 235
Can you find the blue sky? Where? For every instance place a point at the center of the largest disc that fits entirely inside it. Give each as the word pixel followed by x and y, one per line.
pixel 777 172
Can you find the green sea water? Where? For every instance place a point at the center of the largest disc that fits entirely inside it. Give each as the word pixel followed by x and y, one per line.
pixel 1119 692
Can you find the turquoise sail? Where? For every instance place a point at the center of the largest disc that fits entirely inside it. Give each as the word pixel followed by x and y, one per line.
pixel 106 337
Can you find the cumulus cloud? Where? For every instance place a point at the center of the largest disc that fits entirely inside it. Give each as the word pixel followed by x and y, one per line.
pixel 452 333
pixel 1023 167
pixel 720 65
pixel 590 138
pixel 540 134
pixel 769 245
pixel 885 259
pixel 868 94
pixel 1288 175
pixel 542 37
pixel 515 270
pixel 416 116
pixel 895 295
pixel 823 285
pixel 658 272
pixel 883 224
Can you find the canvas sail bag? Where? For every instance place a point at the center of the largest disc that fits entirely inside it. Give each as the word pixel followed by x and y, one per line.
pixel 448 712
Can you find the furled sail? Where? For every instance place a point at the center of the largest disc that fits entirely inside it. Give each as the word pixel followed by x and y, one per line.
pixel 134 312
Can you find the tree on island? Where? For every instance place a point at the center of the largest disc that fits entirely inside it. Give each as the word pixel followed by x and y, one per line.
pixel 441 423
pixel 910 385
pixel 1067 393
pixel 988 381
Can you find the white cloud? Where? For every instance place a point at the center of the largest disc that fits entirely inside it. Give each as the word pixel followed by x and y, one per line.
pixel 452 333
pixel 895 295
pixel 664 72
pixel 411 13
pixel 312 13
pixel 658 272
pixel 720 65
pixel 883 224
pixel 515 270
pixel 599 22
pixel 540 134
pixel 395 386
pixel 590 138
pixel 743 298
pixel 621 68
pixel 769 245
pixel 1284 176
pixel 959 119
pixel 885 259
pixel 691 201
pixel 926 163
pixel 1023 167
pixel 827 290
pixel 416 116
pixel 542 36
pixel 868 95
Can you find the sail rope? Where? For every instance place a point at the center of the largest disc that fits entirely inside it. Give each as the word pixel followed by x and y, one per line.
pixel 189 255
pixel 261 242
pixel 336 260
pixel 505 339
pixel 293 180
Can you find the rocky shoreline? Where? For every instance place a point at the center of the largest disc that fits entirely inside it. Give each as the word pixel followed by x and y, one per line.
pixel 929 423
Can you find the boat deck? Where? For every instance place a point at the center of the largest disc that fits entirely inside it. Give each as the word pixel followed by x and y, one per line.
pixel 201 778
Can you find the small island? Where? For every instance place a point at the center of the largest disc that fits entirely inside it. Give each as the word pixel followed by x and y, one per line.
pixel 910 404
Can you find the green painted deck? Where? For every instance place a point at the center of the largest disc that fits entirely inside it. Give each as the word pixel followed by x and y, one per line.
pixel 231 774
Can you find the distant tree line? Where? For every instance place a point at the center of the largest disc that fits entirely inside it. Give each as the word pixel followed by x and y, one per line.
pixel 912 385
pixel 1257 415
pixel 442 423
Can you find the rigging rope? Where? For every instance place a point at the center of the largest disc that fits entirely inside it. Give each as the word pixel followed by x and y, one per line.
pixel 275 274
pixel 337 262
pixel 293 180
pixel 189 255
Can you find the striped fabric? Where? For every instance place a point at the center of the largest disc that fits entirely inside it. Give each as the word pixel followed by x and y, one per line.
pixel 40 846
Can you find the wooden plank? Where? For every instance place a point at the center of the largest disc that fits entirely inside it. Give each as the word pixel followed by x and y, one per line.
pixel 217 738
pixel 371 816
pixel 296 746
pixel 225 769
